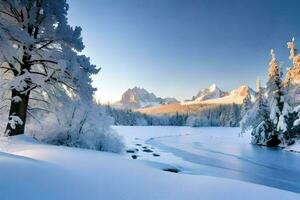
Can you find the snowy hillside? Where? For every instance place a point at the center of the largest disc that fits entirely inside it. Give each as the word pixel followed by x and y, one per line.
pixel 140 98
pixel 33 171
pixel 214 95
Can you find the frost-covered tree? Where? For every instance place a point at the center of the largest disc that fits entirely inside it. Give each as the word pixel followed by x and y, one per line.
pixel 261 123
pixel 293 121
pixel 247 105
pixel 292 80
pixel 288 125
pixel 249 119
pixel 275 93
pixel 39 52
pixel 257 119
pixel 272 119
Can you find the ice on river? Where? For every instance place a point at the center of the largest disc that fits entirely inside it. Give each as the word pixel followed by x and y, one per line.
pixel 215 151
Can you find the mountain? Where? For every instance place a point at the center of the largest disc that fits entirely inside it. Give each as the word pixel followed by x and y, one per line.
pixel 137 97
pixel 212 92
pixel 209 97
pixel 213 95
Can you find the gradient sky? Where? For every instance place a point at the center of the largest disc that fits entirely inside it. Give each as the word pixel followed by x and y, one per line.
pixel 174 48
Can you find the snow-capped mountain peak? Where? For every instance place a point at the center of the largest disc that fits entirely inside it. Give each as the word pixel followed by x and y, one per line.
pixel 243 90
pixel 213 87
pixel 212 92
pixel 213 95
pixel 140 98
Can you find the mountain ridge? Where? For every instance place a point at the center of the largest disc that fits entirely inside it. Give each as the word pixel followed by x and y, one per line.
pixel 140 99
pixel 137 97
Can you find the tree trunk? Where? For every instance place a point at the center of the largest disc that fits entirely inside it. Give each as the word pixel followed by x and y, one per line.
pixel 19 102
pixel 18 107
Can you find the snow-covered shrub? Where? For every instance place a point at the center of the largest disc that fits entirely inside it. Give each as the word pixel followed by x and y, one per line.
pixel 77 125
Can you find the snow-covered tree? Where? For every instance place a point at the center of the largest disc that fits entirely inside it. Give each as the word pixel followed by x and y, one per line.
pixel 247 105
pixel 261 123
pixel 288 126
pixel 249 118
pixel 39 52
pixel 275 93
pixel 292 80
pixel 274 118
pixel 293 122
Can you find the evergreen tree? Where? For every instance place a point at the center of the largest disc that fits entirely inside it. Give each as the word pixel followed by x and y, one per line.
pixel 275 96
pixel 262 125
pixel 293 76
pixel 292 129
pixel 247 105
pixel 287 125
pixel 295 122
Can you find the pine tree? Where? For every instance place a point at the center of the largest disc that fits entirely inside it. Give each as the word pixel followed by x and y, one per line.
pixel 291 128
pixel 275 95
pixel 293 75
pixel 262 125
pixel 294 117
pixel 287 125
pixel 247 105
pixel 249 118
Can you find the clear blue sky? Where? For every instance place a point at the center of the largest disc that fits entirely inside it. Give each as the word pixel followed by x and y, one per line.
pixel 174 48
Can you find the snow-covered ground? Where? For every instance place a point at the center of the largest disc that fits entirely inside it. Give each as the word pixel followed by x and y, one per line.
pixel 295 147
pixel 30 170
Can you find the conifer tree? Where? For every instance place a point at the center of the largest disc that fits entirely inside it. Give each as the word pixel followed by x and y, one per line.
pixel 247 105
pixel 261 123
pixel 275 94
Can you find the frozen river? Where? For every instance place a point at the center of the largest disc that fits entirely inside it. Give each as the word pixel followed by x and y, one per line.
pixel 215 152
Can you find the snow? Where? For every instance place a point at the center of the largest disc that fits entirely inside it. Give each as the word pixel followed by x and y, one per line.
pixel 30 170
pixel 14 120
pixel 16 99
pixel 294 147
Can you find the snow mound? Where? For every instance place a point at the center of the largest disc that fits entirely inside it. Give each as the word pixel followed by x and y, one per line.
pixel 50 172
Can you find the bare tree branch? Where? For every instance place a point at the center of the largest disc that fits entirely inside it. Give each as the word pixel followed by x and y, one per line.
pixel 42 109
pixel 32 115
pixel 32 62
pixel 46 44
pixel 36 99
pixel 7 13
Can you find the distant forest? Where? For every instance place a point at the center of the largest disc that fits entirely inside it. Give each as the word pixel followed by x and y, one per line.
pixel 209 115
